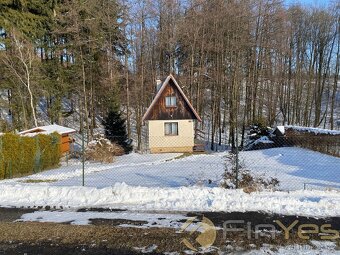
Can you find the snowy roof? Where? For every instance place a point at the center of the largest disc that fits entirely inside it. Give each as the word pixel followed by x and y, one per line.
pixel 48 130
pixel 316 131
pixel 281 129
pixel 313 130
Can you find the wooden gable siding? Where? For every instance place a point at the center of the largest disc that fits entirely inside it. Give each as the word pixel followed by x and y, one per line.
pixel 161 112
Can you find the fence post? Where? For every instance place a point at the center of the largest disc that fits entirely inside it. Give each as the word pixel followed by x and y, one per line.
pixel 237 159
pixel 83 156
pixel 2 160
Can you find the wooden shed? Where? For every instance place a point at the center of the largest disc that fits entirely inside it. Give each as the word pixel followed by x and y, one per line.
pixel 65 133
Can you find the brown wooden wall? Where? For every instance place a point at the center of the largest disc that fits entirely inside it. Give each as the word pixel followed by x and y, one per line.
pixel 324 143
pixel 161 112
pixel 65 143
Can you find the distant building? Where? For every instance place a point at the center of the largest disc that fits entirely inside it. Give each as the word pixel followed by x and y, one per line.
pixel 317 139
pixel 171 119
pixel 64 132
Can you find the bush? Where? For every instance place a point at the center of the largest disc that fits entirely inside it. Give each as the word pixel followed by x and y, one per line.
pixel 20 155
pixel 49 150
pixel 246 180
pixel 103 150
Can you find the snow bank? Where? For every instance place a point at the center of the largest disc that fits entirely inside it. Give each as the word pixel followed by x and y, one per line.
pixel 306 203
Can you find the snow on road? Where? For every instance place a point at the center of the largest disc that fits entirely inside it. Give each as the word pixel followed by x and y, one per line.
pixel 146 220
pixel 314 248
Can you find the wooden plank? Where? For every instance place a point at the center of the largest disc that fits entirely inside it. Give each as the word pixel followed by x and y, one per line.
pixel 180 112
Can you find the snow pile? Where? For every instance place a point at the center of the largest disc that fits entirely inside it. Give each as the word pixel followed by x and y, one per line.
pixel 122 196
pixel 315 131
pixel 263 139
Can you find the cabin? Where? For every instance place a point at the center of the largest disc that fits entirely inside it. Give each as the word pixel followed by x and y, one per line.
pixel 171 119
pixel 65 133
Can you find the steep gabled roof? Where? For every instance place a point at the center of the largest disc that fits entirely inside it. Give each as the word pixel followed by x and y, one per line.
pixel 159 93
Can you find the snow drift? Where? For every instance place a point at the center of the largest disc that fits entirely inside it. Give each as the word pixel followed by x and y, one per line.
pixel 306 203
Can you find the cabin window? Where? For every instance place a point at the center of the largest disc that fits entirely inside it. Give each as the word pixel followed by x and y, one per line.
pixel 170 101
pixel 171 128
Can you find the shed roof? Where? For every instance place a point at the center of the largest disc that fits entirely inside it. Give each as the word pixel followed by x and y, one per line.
pixel 49 129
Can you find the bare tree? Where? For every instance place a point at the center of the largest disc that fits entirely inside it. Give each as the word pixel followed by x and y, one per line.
pixel 20 59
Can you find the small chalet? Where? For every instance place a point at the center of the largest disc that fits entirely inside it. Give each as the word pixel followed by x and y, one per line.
pixel 171 119
pixel 64 132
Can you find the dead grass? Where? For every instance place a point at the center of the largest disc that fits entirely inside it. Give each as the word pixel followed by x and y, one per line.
pixel 39 181
pixel 108 236
pixel 102 150
pixel 167 240
pixel 186 154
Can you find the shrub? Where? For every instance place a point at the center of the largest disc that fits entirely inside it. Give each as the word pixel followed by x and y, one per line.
pixel 246 180
pixel 103 150
pixel 48 150
pixel 20 155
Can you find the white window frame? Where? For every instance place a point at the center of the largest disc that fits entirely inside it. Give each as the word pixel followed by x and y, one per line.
pixel 173 101
pixel 172 130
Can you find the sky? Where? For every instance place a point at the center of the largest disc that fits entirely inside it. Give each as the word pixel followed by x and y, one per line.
pixel 321 3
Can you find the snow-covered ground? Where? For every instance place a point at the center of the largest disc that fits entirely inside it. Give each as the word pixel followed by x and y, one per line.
pixel 295 168
pixel 149 170
pixel 170 182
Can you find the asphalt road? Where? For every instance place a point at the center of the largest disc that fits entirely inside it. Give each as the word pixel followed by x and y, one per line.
pixel 105 237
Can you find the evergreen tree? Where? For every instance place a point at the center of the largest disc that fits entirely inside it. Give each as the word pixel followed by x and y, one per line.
pixel 115 130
